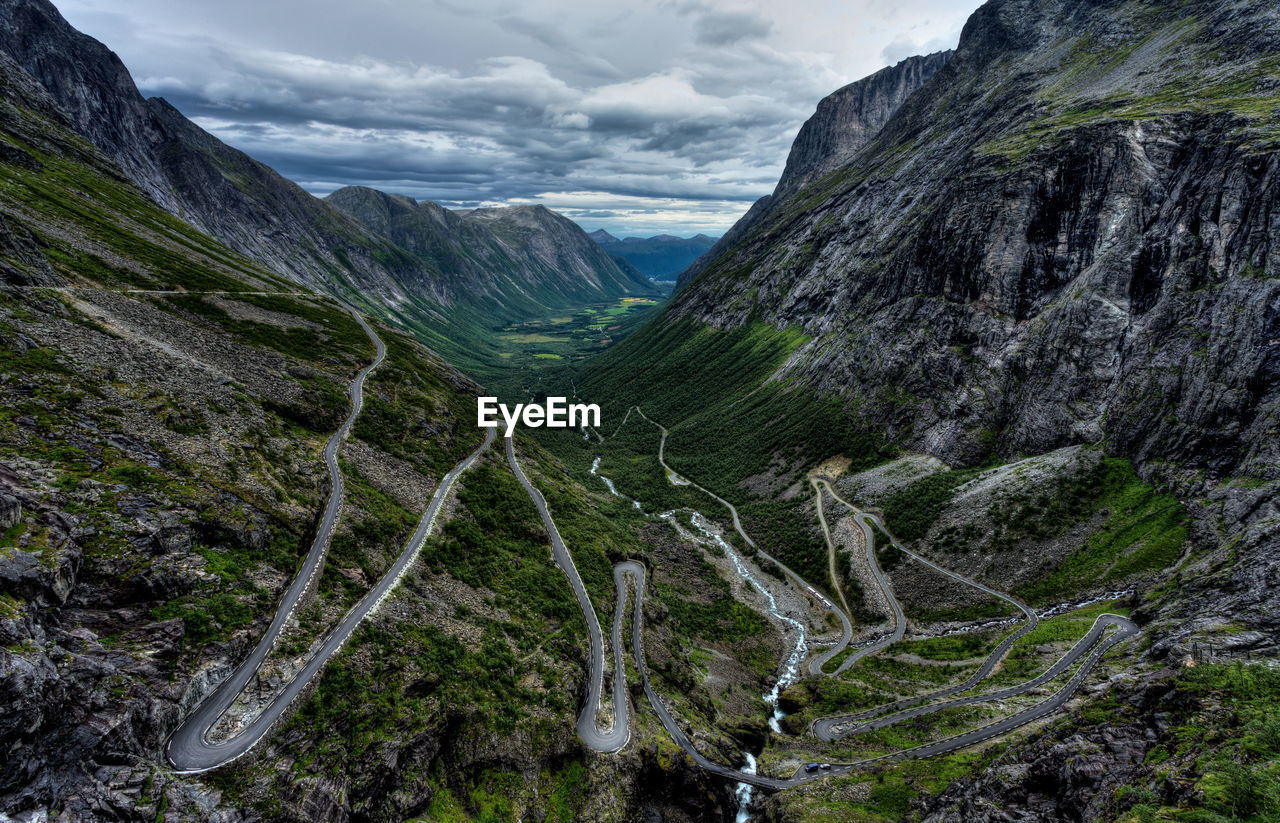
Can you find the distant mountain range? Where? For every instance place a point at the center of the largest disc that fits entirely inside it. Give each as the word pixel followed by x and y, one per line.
pixel 661 257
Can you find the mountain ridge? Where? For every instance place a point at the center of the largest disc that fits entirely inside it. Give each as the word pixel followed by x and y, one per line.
pixel 517 261
pixel 843 122
pixel 251 208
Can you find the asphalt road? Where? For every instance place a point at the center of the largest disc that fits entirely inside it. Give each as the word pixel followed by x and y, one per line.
pixel 899 619
pixel 616 736
pixel 831 548
pixel 833 728
pixel 1095 633
pixel 1092 644
pixel 636 573
pixel 1126 629
pixel 189 748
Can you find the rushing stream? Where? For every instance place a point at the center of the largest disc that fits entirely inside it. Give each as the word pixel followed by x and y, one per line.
pixel 791 671
pixel 595 469
pixel 744 791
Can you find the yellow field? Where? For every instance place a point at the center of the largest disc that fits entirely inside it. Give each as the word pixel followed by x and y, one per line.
pixel 528 338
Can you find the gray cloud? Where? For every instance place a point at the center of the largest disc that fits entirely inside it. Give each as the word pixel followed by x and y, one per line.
pixel 904 46
pixel 637 117
pixel 724 28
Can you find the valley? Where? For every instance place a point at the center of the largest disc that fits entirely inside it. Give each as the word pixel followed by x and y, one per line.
pixel 536 344
pixel 942 488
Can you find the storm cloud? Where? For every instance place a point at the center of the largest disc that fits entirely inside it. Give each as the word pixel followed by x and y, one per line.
pixel 635 117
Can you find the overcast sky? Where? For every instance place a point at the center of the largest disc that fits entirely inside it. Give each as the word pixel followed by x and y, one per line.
pixel 638 117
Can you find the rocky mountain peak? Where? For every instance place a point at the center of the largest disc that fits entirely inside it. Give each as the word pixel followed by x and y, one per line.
pixel 843 123
pixel 849 117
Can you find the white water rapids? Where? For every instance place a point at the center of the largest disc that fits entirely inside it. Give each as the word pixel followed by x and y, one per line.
pixel 791 670
pixel 744 790
pixel 595 469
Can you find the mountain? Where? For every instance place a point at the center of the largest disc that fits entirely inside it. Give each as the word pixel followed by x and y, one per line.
pixel 511 262
pixel 253 210
pixel 846 120
pixel 660 257
pixel 161 468
pixel 174 417
pixel 1061 242
pixel 1029 325
pixel 193 175
pixel 1036 239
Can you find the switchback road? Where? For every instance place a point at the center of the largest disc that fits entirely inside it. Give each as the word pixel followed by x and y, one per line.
pixel 614 737
pixel 1087 652
pixel 189 748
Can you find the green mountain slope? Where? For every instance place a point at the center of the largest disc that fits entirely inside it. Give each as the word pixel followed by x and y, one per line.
pixel 459 279
pixel 165 404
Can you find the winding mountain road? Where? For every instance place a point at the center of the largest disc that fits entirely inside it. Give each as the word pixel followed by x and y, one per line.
pixel 635 572
pixel 830 729
pixel 614 737
pixel 189 748
pixel 826 727
pixel 1087 651
pixel 873 563
pixel 679 480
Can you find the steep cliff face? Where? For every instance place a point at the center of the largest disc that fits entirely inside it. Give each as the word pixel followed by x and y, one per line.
pixel 845 121
pixel 515 261
pixel 1068 234
pixel 848 118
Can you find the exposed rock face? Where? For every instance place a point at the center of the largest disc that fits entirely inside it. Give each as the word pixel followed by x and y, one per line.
pixel 1048 242
pixel 515 258
pixel 846 120
pixel 68 731
pixel 1072 779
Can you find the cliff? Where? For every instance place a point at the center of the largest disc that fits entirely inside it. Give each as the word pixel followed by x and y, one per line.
pixel 844 122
